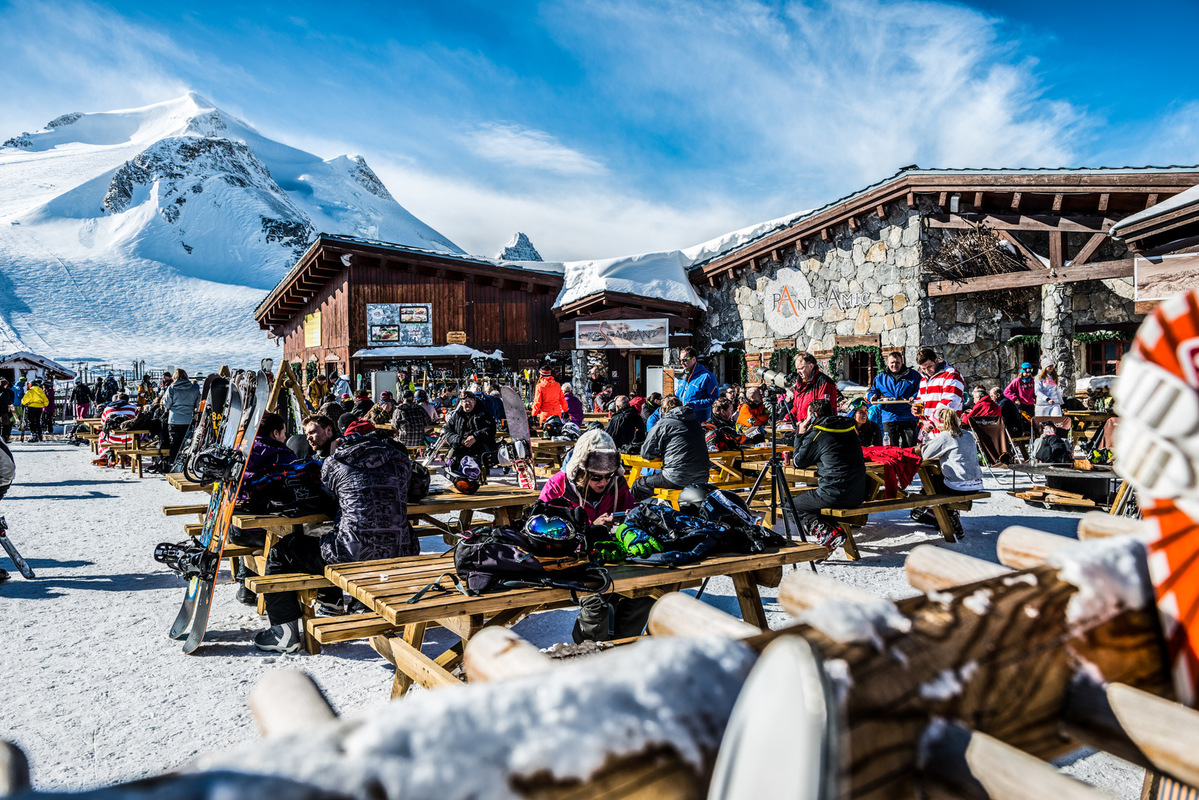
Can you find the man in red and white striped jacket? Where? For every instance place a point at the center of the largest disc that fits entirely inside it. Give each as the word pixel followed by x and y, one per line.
pixel 942 385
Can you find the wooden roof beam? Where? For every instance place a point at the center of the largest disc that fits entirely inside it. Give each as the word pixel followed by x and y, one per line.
pixel 880 211
pixel 1103 201
pixel 1016 200
pixel 853 222
pixel 1012 280
pixel 942 198
pixel 1151 201
pixel 978 200
pixel 1030 257
pixel 1057 202
pixel 911 199
pixel 1089 249
pixel 1057 247
pixel 1022 222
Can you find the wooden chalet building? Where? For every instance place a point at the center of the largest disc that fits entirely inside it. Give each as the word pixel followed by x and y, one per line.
pixel 990 267
pixel 361 306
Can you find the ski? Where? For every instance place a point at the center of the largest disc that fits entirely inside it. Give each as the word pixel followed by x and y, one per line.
pixel 254 390
pixel 22 564
pixel 432 450
pixel 518 430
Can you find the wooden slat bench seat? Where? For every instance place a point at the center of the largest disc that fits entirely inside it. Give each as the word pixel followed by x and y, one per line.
pixel 290 582
pixel 136 454
pixel 347 628
pixel 182 511
pixel 857 517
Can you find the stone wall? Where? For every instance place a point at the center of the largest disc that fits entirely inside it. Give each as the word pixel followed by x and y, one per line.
pixel 864 281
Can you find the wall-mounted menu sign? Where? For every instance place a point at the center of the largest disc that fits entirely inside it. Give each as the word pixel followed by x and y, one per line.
pixel 399 323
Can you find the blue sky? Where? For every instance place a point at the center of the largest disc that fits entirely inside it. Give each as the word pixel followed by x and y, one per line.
pixel 608 128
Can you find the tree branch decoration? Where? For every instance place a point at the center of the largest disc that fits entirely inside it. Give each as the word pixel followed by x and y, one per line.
pixel 1023 339
pixel 975 253
pixel 1101 336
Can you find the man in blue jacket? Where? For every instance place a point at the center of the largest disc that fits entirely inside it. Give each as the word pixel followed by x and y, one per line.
pixel 698 389
pixel 897 382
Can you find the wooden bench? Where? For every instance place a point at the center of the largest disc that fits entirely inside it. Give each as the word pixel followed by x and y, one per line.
pixel 182 511
pixel 940 503
pixel 136 454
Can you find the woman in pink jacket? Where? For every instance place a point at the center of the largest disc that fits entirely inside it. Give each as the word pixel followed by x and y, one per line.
pixel 1022 390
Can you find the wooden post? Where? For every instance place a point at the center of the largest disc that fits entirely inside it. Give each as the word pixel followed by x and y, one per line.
pixel 1097 525
pixel 1021 548
pixel 678 614
pixel 287 701
pixel 496 654
pixel 930 568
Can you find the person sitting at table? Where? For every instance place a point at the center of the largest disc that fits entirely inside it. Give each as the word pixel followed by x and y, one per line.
pixel 322 435
pixel 1051 447
pixel 411 422
pixel 653 401
pixel 118 411
pixel 592 480
pixel 602 402
pixel 677 439
pixel 368 477
pixel 960 473
pixel 831 444
pixel 382 411
pixel 470 431
pixel 626 427
pixel 574 406
pixel 272 474
pixel 984 406
pixel 720 431
pixel 1013 418
pixel 869 433
pixel 753 412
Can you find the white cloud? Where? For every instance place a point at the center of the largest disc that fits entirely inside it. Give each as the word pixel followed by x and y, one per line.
pixel 512 145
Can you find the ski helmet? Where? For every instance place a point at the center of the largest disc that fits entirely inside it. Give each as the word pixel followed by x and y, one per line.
pixel 553 427
pixel 691 498
pixel 551 536
pixel 464 474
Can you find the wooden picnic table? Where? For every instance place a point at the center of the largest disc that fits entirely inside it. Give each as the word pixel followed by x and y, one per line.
pixel 1087 422
pixel 387 586
pixel 725 463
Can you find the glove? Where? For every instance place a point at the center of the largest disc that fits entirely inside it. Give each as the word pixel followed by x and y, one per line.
pixel 608 550
pixel 637 543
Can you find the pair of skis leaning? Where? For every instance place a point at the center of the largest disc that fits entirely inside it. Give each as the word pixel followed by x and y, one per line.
pixel 223 465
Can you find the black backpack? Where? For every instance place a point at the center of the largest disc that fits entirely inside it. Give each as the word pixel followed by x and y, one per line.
pixel 492 559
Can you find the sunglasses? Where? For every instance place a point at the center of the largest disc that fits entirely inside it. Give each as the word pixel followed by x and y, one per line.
pixel 596 476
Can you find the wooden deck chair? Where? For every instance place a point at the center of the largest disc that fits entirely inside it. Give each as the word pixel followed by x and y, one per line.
pixel 993 442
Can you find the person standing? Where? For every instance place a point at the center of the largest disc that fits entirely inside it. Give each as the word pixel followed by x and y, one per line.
pixel 897 381
pixel 81 398
pixel 35 402
pixel 548 399
pixel 812 384
pixel 942 386
pixel 1048 391
pixel 179 404
pixel 18 390
pixel 8 472
pixel 1022 390
pixel 8 399
pixel 574 406
pixel 699 389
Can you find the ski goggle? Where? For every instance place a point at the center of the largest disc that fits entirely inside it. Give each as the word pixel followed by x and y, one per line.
pixel 553 529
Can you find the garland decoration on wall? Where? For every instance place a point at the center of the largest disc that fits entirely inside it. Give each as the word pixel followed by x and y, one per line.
pixel 874 350
pixel 1091 337
pixel 1022 340
pixel 783 359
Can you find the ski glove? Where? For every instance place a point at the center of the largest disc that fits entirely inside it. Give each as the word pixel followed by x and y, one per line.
pixel 637 543
pixel 608 550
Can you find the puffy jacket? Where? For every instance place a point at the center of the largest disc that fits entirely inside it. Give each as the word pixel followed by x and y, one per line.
pixel 699 391
pixel 180 402
pixel 8 468
pixel 273 472
pixel 901 386
pixel 574 407
pixel 1049 398
pixel 821 385
pixel 479 424
pixel 750 415
pixel 494 406
pixel 19 390
pixel 369 479
pixel 626 427
pixel 1021 392
pixel 984 407
pixel 833 447
pixel 80 394
pixel 8 399
pixel 549 399
pixel 35 397
pixel 678 439
pixel 616 498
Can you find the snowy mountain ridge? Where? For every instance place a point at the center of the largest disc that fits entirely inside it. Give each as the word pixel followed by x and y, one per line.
pixel 152 233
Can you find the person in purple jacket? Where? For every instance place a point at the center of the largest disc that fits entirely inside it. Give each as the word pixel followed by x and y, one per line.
pixel 574 406
pixel 1022 390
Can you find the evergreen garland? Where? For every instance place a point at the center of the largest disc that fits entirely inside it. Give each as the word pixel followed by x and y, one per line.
pixel 743 367
pixel 782 360
pixel 873 350
pixel 1023 339
pixel 1101 336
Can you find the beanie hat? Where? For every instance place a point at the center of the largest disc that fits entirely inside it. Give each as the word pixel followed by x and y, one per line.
pixel 546 373
pixel 360 426
pixel 469 395
pixel 1025 366
pixel 1047 360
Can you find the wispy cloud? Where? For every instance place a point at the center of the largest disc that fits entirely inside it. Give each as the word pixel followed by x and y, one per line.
pixel 512 145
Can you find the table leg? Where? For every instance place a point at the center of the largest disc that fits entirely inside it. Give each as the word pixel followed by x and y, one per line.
pixel 749 600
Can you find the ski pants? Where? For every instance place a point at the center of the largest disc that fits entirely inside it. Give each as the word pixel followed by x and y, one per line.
pixel 81 410
pixel 643 487
pixel 6 423
pixel 809 504
pixel 33 419
pixel 901 434
pixel 295 553
pixel 610 617
pixel 175 435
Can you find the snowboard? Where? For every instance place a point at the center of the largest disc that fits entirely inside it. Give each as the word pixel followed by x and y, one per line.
pixel 433 449
pixel 186 560
pixel 188 437
pixel 11 549
pixel 214 403
pixel 254 390
pixel 518 429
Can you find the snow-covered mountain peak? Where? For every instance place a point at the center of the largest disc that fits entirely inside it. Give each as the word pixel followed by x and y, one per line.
pixel 519 248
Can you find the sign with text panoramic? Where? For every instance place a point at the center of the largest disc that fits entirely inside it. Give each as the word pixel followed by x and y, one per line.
pixel 622 334
pixel 1159 277
pixel 399 324
pixel 788 301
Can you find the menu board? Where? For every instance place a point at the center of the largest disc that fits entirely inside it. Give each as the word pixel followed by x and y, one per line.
pixel 404 324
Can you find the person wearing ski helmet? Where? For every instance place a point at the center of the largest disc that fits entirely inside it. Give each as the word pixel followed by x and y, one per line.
pixel 470 431
pixel 593 480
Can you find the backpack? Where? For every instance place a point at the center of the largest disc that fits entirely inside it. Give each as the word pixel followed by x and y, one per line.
pixel 495 558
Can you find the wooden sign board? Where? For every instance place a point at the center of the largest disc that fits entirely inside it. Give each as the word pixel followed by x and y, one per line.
pixel 455 337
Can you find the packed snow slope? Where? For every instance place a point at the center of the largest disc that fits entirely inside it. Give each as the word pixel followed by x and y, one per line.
pixel 152 233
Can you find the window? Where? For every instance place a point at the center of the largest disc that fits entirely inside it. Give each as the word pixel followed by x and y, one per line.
pixel 860 368
pixel 1032 355
pixel 1104 357
pixel 312 330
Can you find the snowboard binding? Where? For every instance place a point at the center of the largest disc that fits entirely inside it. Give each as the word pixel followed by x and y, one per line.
pixel 186 559
pixel 215 463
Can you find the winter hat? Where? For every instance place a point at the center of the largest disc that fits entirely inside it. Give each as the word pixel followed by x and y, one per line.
pixel 593 452
pixel 346 396
pixel 469 395
pixel 637 403
pixel 546 373
pixel 385 395
pixel 1047 361
pixel 360 426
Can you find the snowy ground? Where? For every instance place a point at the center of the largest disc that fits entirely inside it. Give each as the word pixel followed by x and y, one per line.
pixel 96 693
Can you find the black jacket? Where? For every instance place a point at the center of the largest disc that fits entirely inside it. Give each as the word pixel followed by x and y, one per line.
pixel 679 441
pixel 369 478
pixel 647 411
pixel 8 398
pixel 626 427
pixel 79 395
pixel 480 424
pixel 870 435
pixel 1052 450
pixel 833 447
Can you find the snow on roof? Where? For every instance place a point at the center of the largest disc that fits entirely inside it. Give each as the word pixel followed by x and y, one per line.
pixel 410 351
pixel 1182 199
pixel 34 358
pixel 661 275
